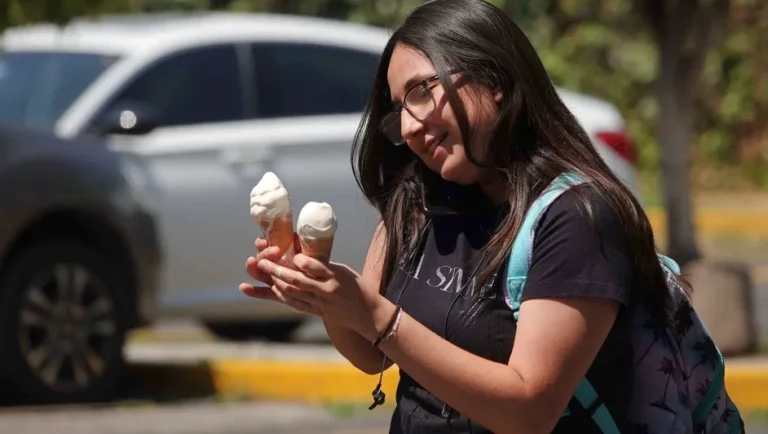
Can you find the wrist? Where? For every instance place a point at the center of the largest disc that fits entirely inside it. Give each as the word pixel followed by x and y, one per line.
pixel 381 315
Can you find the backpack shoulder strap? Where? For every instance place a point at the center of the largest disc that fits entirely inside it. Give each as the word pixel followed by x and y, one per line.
pixel 517 271
pixel 522 247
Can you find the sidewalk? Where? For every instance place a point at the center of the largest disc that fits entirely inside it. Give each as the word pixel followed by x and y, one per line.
pixel 318 374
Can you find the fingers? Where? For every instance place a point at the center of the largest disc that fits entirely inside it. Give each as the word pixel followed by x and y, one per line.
pixel 272 253
pixel 261 243
pixel 275 294
pixel 295 299
pixel 312 266
pixel 290 291
pixel 253 270
pixel 262 292
pixel 291 277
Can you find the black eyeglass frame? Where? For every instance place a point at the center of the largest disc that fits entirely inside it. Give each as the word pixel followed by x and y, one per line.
pixel 393 117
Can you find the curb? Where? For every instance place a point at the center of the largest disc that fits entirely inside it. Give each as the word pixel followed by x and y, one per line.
pixel 711 222
pixel 314 383
pixel 341 383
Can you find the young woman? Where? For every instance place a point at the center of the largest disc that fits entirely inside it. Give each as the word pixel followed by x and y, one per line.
pixel 460 86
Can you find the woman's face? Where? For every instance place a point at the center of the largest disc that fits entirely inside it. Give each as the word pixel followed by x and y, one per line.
pixel 436 137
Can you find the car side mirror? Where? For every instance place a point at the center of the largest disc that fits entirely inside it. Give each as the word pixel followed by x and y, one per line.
pixel 126 118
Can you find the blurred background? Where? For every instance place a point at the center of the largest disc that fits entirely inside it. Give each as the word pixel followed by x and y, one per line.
pixel 132 131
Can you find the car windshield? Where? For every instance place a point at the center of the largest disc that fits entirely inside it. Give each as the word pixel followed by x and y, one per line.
pixel 37 87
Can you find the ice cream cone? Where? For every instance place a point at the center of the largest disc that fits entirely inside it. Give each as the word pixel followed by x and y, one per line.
pixel 271 208
pixel 279 232
pixel 316 228
pixel 319 249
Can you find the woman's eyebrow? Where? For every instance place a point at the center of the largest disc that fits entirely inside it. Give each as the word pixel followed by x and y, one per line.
pixel 412 82
pixel 417 78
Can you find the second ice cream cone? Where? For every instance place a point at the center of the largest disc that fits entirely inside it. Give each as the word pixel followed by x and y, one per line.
pixel 316 227
pixel 319 249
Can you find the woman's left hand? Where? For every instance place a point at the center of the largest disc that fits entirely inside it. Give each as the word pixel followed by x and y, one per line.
pixel 332 291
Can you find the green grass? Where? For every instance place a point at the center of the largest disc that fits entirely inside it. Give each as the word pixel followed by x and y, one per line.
pixel 349 410
pixel 757 417
pixel 763 346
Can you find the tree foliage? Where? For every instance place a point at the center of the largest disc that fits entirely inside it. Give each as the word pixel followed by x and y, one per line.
pixel 712 52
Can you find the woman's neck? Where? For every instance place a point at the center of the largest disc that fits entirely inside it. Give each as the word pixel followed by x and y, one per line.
pixel 495 189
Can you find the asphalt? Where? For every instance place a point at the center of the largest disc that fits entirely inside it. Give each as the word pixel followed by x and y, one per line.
pixel 210 417
pixel 198 417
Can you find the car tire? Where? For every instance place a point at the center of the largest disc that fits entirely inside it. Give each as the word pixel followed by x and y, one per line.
pixel 276 331
pixel 63 322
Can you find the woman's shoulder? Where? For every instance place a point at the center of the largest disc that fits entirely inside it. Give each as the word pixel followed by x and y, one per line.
pixel 581 247
pixel 582 204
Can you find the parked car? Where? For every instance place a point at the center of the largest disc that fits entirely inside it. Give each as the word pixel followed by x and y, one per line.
pixel 210 102
pixel 79 262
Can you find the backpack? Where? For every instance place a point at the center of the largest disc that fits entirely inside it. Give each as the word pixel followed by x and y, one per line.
pixel 679 371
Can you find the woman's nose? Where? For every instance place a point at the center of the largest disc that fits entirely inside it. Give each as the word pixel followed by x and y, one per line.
pixel 409 125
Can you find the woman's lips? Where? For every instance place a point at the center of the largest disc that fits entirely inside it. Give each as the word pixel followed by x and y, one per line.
pixel 433 148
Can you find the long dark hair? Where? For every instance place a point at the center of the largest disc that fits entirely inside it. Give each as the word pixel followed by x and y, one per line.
pixel 535 139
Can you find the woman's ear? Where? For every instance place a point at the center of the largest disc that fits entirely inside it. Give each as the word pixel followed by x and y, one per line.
pixel 497 96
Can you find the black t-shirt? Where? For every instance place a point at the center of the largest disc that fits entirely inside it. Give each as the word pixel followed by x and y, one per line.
pixel 573 255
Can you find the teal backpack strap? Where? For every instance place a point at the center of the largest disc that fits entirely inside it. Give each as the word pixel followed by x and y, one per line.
pixel 522 247
pixel 669 263
pixel 587 397
pixel 517 271
pixel 709 399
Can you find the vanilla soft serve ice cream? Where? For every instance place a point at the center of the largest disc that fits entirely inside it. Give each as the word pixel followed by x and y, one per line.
pixel 269 198
pixel 316 227
pixel 271 209
pixel 316 221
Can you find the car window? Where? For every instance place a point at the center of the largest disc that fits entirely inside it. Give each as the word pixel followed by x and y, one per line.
pixel 294 79
pixel 194 87
pixel 37 87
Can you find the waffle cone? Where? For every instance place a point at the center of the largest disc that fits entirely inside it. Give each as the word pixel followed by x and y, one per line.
pixel 319 249
pixel 279 232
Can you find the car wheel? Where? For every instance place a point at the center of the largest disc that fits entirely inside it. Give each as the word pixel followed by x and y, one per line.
pixel 63 321
pixel 277 331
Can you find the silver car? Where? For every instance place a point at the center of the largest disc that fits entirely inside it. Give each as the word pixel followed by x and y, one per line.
pixel 209 103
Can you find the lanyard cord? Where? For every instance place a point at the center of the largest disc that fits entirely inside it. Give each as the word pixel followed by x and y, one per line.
pixel 379 397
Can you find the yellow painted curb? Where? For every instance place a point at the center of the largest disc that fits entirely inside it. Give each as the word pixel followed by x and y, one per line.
pixel 334 382
pixel 309 382
pixel 748 386
pixel 717 221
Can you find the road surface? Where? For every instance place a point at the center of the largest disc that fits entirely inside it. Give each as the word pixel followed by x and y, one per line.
pixel 203 417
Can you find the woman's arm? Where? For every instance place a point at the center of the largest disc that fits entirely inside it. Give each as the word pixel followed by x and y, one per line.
pixel 555 343
pixel 580 274
pixel 575 286
pixel 348 342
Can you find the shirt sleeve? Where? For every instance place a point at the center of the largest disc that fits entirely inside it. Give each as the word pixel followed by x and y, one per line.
pixel 575 255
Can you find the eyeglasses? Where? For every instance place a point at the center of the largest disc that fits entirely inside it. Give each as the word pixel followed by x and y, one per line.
pixel 418 101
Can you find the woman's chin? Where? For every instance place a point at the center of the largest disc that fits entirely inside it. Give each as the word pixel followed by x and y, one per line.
pixel 456 174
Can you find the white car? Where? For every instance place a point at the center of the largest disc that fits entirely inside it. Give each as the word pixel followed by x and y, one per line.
pixel 210 102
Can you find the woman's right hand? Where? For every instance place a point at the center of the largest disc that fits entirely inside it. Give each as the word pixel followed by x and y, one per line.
pixel 271 253
pixel 265 252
